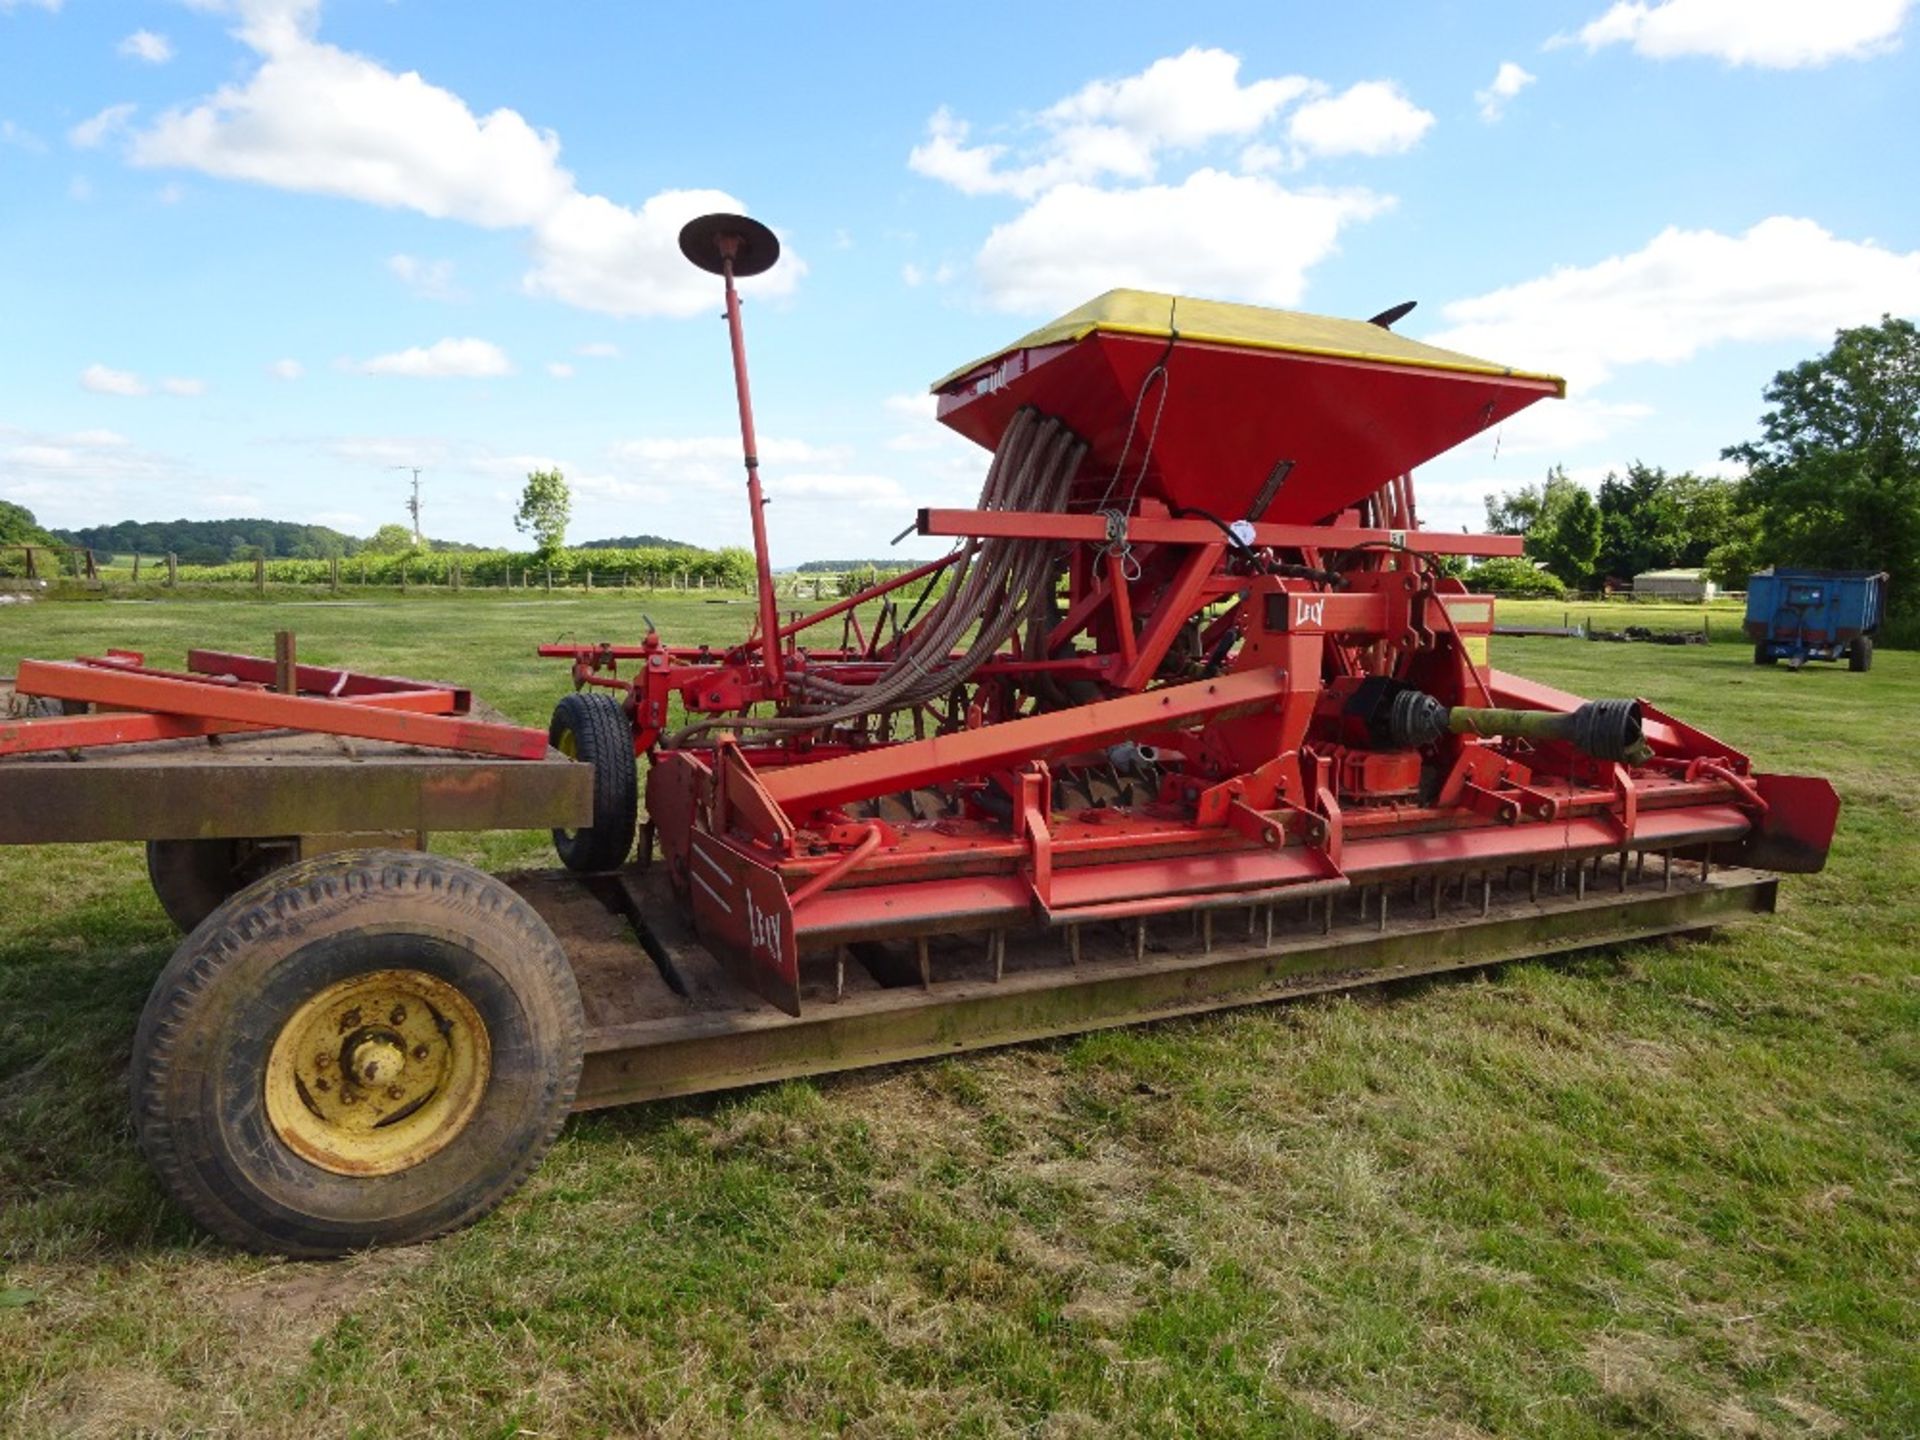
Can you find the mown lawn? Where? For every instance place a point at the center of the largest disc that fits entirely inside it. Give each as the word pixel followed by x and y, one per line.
pixel 1665 1191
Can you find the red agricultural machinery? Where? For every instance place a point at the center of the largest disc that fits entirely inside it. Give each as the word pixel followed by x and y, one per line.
pixel 1190 653
pixel 1191 715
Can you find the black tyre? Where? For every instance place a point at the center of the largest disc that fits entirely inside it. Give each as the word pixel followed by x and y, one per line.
pixel 368 1048
pixel 1762 656
pixel 593 728
pixel 193 878
pixel 1860 655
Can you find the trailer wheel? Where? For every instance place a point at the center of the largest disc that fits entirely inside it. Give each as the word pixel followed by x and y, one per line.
pixel 193 878
pixel 1764 656
pixel 368 1048
pixel 1860 655
pixel 593 728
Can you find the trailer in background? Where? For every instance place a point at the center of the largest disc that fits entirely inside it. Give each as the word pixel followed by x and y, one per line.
pixel 1802 615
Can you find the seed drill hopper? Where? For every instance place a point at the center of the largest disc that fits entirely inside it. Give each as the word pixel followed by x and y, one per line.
pixel 1190 656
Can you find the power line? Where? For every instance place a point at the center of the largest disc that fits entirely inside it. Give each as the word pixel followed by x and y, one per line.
pixel 413 503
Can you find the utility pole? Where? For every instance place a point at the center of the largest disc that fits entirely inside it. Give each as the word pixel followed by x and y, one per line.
pixel 413 503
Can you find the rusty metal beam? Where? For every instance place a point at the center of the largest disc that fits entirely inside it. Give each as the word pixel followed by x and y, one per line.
pixel 126 689
pixel 188 796
pixel 714 1048
pixel 47 734
pixel 324 679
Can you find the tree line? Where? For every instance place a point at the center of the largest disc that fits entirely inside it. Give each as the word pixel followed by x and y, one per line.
pixel 1831 482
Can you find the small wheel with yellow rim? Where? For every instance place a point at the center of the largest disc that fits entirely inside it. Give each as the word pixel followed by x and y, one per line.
pixel 368 1048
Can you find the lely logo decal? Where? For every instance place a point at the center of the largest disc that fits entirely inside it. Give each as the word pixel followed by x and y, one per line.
pixel 763 929
pixel 1309 612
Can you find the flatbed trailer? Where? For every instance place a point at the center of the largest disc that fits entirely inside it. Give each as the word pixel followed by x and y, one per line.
pixel 217 812
pixel 686 1025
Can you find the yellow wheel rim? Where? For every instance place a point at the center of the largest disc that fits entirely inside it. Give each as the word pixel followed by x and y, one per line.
pixel 376 1073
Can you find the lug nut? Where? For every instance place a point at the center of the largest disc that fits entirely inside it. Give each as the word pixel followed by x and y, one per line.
pixel 396 1015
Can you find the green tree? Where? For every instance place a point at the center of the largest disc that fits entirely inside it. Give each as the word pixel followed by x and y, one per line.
pixel 1834 479
pixel 18 527
pixel 389 540
pixel 1512 576
pixel 545 507
pixel 1559 520
pixel 1652 520
pixel 1570 547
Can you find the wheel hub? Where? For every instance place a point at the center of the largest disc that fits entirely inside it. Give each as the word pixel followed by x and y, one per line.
pixel 376 1073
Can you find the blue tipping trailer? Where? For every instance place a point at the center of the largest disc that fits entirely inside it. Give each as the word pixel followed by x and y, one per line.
pixel 1802 615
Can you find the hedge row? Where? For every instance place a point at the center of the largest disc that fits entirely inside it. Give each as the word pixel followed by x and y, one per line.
pixel 724 569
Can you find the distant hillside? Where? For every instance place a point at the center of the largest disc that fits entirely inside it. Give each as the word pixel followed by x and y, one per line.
pixel 841 567
pixel 215 542
pixel 635 542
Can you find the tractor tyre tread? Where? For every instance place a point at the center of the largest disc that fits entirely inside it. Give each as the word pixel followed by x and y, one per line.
pixel 1860 655
pixel 176 1042
pixel 603 738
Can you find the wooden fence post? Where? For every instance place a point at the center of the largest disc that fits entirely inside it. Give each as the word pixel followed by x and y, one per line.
pixel 173 569
pixel 549 579
pixel 333 573
pixel 136 567
pixel 260 574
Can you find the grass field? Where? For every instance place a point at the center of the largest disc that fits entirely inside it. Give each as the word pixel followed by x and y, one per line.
pixel 1666 1191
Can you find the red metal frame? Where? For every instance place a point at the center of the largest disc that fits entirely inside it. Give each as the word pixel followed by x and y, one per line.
pixel 1235 658
pixel 223 694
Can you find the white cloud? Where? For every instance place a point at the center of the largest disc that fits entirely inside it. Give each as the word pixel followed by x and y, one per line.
pixel 598 350
pixel 183 386
pixel 147 46
pixel 69 479
pixel 460 358
pixel 52 7
pixel 103 381
pixel 94 131
pixel 601 256
pixel 286 370
pixel 318 119
pixel 834 485
pixel 21 138
pixel 170 194
pixel 1775 34
pixel 1371 118
pixel 1557 427
pixel 1077 241
pixel 1508 81
pixel 1112 127
pixel 1685 291
pixel 1098 214
pixel 681 450
pixel 559 370
pixel 429 279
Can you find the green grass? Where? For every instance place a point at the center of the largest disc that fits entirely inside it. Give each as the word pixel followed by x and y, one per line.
pixel 1665 1191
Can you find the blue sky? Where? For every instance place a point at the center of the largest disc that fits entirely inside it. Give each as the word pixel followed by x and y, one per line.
pixel 254 253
